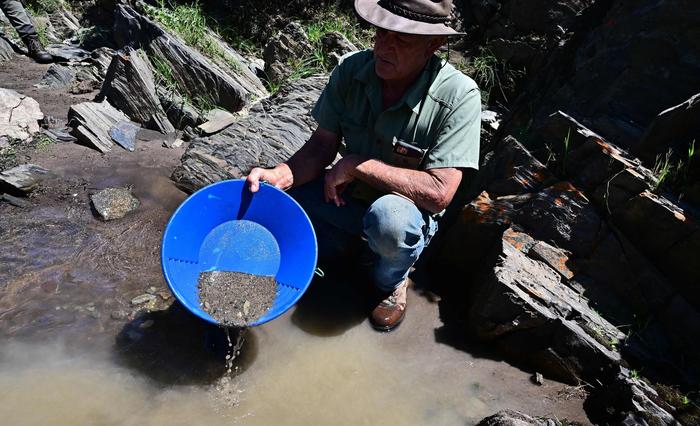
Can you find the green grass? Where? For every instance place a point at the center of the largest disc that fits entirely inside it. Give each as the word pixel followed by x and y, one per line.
pixel 674 172
pixel 188 22
pixel 43 7
pixel 491 73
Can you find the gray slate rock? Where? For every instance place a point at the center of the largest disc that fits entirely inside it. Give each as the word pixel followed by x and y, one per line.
pixel 25 177
pixel 290 44
pixel 193 72
pixel 91 122
pixel 19 116
pixel 180 112
pixel 57 77
pixel 114 203
pixel 335 46
pixel 6 50
pixel 525 309
pixel 16 201
pixel 272 131
pixel 64 52
pixel 124 134
pixel 101 58
pixel 216 121
pixel 515 418
pixel 129 86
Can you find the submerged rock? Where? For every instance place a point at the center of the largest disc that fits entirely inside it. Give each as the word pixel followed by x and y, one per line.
pixel 114 203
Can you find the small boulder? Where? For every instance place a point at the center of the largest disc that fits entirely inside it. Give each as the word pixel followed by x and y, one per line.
pixel 19 116
pixel 25 178
pixel 217 120
pixel 92 121
pixel 114 203
pixel 335 46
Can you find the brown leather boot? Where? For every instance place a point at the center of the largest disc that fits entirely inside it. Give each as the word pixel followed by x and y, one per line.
pixel 36 51
pixel 390 311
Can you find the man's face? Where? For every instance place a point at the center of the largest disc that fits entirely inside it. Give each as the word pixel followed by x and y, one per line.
pixel 400 56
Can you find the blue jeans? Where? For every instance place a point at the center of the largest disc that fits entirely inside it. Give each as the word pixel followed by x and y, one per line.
pixel 395 229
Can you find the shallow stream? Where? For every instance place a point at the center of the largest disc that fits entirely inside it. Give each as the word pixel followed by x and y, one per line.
pixel 75 349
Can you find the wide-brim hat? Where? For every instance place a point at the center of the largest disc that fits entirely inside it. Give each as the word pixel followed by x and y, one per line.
pixel 421 17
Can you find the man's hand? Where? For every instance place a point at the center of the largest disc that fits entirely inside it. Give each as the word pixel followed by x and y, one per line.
pixel 338 178
pixel 281 177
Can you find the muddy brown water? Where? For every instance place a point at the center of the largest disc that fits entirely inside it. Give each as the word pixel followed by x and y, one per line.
pixel 75 350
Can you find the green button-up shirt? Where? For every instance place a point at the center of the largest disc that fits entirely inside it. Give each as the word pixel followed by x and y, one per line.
pixel 440 115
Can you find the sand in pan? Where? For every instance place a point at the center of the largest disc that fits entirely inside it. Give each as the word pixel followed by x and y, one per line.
pixel 236 299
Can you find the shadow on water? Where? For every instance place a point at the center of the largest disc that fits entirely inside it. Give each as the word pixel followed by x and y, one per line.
pixel 173 347
pixel 333 304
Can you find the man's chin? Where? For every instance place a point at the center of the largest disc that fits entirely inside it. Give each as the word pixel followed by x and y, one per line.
pixel 384 71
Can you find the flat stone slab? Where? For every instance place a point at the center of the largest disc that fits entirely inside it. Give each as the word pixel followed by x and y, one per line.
pixel 92 121
pixel 124 134
pixel 114 203
pixel 67 53
pixel 217 120
pixel 26 177
pixel 19 116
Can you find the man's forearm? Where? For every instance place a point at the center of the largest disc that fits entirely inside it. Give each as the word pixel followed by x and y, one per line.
pixel 427 190
pixel 309 162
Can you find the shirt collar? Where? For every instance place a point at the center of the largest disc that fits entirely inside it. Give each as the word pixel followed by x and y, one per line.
pixel 414 95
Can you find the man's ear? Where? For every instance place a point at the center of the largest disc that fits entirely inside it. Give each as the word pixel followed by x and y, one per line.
pixel 435 43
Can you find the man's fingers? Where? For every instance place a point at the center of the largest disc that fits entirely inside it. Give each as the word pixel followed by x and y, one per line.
pixel 253 179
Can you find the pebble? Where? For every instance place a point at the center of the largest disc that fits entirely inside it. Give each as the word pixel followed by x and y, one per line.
pixel 119 315
pixel 151 290
pixel 142 299
pixel 538 379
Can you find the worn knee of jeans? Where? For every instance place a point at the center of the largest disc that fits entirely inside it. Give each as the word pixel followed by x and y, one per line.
pixel 393 227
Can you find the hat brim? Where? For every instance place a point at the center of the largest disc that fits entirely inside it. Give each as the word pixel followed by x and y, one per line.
pixel 372 12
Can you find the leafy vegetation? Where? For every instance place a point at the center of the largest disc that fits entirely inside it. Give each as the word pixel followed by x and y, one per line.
pixel 491 74
pixel 188 22
pixel 673 171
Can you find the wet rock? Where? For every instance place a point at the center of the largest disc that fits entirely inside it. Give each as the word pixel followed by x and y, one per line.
pixel 335 46
pixel 129 86
pixel 194 73
pixel 25 178
pixel 114 203
pixel 19 116
pixel 16 201
pixel 524 308
pixel 272 131
pixel 537 379
pixel 91 122
pixel 124 134
pixel 290 44
pixel 516 418
pixel 66 53
pixel 216 121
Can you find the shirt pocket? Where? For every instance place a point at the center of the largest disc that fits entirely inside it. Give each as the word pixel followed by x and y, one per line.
pixel 406 155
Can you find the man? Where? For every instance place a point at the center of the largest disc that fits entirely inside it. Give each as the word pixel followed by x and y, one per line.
pixel 407 124
pixel 19 19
